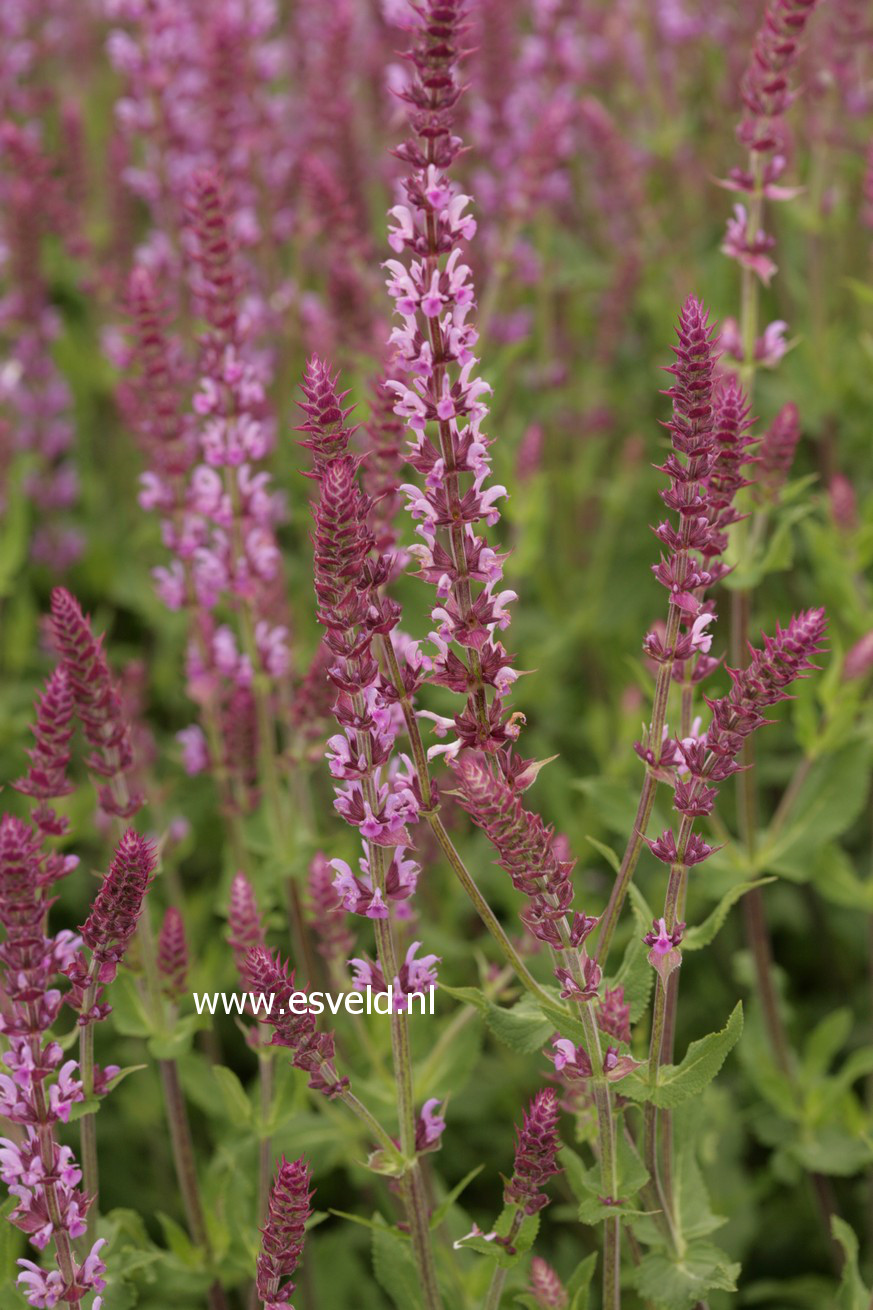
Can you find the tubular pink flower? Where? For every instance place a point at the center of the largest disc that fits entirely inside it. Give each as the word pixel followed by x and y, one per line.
pixel 288 1210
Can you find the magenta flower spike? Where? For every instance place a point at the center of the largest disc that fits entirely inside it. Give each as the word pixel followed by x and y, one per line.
pixel 441 399
pixel 46 779
pixel 776 455
pixel 117 907
pixel 41 1087
pixel 172 956
pixel 310 1050
pixel 244 922
pixel 536 1152
pixel 328 916
pixel 490 793
pixel 546 1287
pixel 97 703
pixel 283 1234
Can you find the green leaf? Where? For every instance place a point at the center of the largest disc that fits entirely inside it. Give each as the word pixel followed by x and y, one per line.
pixel 680 1082
pixel 851 1294
pixel 696 938
pixel 524 1027
pixel 606 851
pixel 678 1284
pixel 394 1267
pixel 579 1283
pixel 829 801
pixel 129 1015
pixel 445 1205
pixel 636 976
pixel 180 1243
pixel 238 1105
pixel 825 1041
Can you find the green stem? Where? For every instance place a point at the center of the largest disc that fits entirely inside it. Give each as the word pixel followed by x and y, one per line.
pixel 498 1278
pixel 608 1165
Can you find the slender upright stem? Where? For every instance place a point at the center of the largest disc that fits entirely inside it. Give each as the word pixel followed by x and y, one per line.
pixel 88 1122
pixel 608 1165
pixel 186 1171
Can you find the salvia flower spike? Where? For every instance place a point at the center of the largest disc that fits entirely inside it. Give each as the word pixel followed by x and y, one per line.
pixel 283 1234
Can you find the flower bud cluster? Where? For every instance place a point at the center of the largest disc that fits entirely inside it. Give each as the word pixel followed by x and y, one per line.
pixel 490 791
pixel 377 794
pixel 288 1210
pixel 97 702
pixel 536 1150
pixel 310 1050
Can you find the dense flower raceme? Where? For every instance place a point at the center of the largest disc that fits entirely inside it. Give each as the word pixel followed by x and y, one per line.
pixel 108 930
pixel 706 760
pixel 199 91
pixel 536 1150
pixel 441 398
pixel 283 1234
pixel 778 447
pixel 40 1087
pixel 172 955
pixel 546 1287
pixel 33 392
pixel 767 96
pixel 46 779
pixel 310 1050
pixel 377 794
pixel 490 791
pixel 218 510
pixel 710 440
pixel 97 703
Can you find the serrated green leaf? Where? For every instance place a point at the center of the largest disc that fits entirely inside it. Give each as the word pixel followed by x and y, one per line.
pixel 678 1284
pixel 704 933
pixel 525 1027
pixel 703 1059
